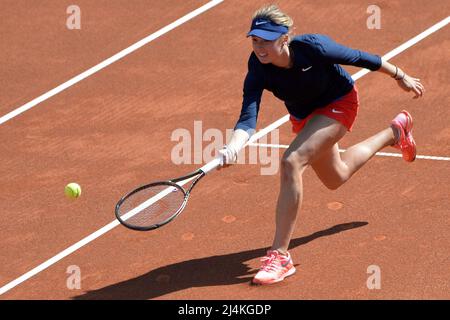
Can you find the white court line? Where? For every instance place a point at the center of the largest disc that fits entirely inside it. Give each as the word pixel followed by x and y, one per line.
pixel 115 223
pixel 109 61
pixel 381 154
pixel 406 45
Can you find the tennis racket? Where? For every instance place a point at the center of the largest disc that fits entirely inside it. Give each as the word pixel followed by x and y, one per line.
pixel 153 205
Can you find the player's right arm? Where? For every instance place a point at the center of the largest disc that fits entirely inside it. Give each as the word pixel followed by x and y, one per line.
pixel 246 125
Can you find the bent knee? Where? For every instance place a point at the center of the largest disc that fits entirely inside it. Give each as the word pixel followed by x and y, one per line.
pixel 334 183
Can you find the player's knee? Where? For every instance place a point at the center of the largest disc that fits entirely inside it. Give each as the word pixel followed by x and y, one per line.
pixel 293 163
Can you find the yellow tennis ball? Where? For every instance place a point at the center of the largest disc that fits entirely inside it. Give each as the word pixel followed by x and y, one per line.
pixel 72 190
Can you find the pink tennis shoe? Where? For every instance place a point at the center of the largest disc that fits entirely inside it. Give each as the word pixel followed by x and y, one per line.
pixel 275 267
pixel 403 122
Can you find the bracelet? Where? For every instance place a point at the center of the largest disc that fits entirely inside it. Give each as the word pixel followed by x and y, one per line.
pixel 403 77
pixel 396 71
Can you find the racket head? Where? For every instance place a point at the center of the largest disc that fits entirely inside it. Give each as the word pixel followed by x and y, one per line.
pixel 151 206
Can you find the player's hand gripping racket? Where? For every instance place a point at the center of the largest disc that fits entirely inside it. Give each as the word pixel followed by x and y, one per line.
pixel 156 204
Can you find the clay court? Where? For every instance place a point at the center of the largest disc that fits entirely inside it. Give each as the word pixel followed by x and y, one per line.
pixel 111 132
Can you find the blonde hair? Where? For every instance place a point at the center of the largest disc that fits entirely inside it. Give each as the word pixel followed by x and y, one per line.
pixel 274 14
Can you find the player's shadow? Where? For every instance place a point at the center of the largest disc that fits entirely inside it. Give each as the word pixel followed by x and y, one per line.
pixel 210 271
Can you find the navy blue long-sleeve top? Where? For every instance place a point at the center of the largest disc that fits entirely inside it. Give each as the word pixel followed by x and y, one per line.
pixel 315 80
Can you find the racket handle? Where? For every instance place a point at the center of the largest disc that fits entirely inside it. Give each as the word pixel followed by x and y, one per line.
pixel 211 165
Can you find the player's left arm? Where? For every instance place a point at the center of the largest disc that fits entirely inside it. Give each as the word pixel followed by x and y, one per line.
pixel 405 81
pixel 332 52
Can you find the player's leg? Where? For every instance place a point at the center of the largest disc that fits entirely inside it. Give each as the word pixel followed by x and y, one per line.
pixel 317 137
pixel 319 134
pixel 334 168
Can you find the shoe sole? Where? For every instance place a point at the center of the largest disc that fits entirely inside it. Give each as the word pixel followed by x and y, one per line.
pixel 287 274
pixel 408 130
pixel 409 126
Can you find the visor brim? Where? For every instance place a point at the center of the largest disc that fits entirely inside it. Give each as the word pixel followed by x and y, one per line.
pixel 266 35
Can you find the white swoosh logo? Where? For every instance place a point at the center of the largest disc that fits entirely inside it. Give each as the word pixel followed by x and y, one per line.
pixel 336 111
pixel 306 69
pixel 286 263
pixel 261 22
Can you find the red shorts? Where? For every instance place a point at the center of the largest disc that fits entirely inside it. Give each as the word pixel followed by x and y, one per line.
pixel 344 110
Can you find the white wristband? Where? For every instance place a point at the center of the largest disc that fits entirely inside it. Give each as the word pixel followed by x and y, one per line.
pixel 238 140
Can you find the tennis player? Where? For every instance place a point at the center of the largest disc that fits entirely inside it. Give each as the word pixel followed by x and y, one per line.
pixel 304 71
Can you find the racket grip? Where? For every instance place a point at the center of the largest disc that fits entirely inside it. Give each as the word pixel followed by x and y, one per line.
pixel 211 165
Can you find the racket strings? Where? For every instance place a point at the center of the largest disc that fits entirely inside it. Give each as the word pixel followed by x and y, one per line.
pixel 140 210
